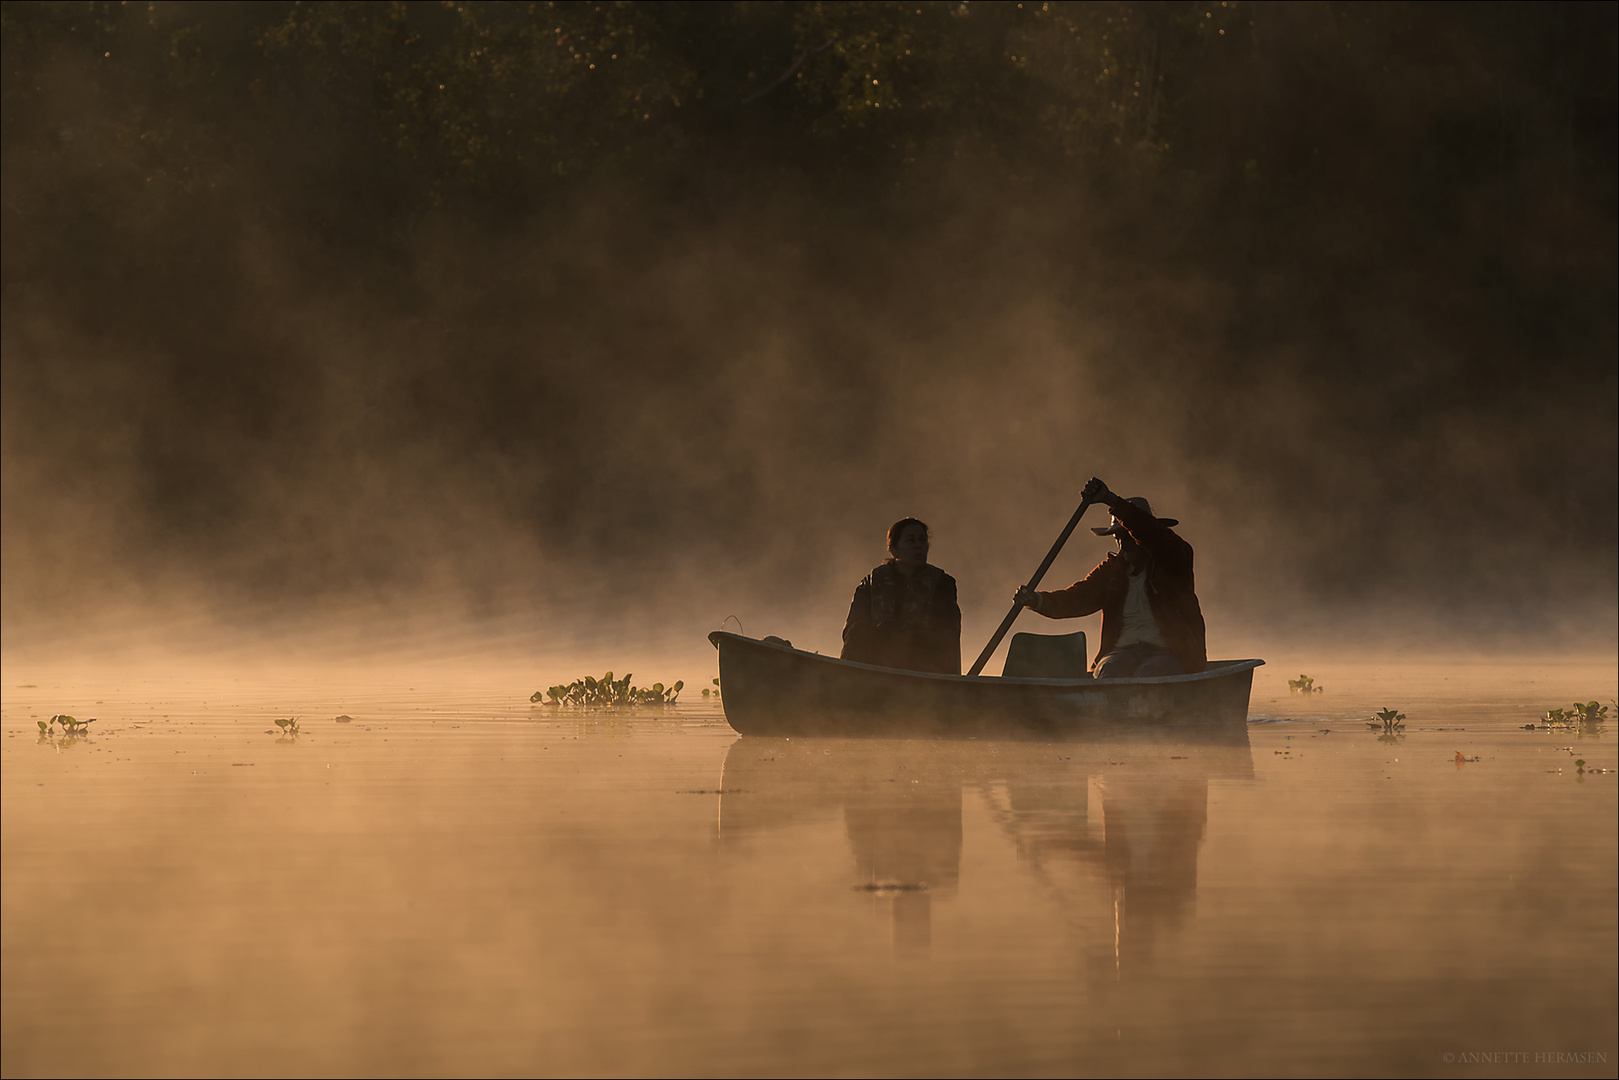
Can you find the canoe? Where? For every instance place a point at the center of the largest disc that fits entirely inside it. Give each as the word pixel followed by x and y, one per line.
pixel 771 688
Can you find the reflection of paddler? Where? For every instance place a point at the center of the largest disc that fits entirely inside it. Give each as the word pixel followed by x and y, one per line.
pixel 1141 836
pixel 1153 828
pixel 1135 829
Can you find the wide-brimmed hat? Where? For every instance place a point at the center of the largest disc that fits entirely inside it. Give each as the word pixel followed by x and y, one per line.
pixel 1115 528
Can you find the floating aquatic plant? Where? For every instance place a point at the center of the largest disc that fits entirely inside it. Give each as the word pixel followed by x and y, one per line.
pixel 1588 716
pixel 288 726
pixel 888 888
pixel 714 692
pixel 69 725
pixel 1304 684
pixel 1391 721
pixel 72 730
pixel 607 691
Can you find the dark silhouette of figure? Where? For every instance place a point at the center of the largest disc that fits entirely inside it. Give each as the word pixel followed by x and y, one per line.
pixel 1151 622
pixel 904 613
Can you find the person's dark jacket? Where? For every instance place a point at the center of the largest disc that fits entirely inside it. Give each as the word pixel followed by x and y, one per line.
pixel 905 621
pixel 1170 590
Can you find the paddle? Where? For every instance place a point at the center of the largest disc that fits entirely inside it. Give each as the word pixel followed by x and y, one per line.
pixel 1011 616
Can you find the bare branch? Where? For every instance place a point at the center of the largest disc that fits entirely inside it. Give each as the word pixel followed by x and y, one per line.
pixel 789 73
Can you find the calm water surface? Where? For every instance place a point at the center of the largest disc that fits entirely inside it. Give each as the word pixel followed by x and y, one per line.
pixel 457 883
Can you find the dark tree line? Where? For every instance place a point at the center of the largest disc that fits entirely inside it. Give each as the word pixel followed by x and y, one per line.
pixel 1408 209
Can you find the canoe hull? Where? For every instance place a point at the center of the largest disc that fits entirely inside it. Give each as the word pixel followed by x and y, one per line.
pixel 772 689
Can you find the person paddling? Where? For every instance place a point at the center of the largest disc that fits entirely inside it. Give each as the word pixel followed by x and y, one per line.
pixel 904 613
pixel 1151 622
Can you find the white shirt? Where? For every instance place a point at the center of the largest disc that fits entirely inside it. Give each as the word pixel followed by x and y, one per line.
pixel 1140 628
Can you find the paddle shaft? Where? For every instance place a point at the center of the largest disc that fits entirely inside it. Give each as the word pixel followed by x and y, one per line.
pixel 1011 616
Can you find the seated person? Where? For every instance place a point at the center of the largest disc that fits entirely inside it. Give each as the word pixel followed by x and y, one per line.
pixel 904 613
pixel 1151 622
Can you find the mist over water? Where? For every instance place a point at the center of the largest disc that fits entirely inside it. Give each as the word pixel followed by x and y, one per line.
pixel 366 368
pixel 284 360
pixel 447 880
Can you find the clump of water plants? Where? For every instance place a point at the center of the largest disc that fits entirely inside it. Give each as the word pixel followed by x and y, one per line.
pixel 1587 716
pixel 1590 712
pixel 288 726
pixel 1391 721
pixel 607 692
pixel 71 728
pixel 714 692
pixel 1304 684
pixel 69 725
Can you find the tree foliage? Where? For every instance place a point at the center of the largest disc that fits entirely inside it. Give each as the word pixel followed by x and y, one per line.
pixel 503 103
pixel 1406 210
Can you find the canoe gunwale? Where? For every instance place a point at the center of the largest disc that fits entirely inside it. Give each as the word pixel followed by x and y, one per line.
pixel 1215 670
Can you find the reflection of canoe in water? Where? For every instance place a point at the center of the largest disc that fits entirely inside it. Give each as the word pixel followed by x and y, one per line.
pixel 771 783
pixel 771 688
pixel 1111 828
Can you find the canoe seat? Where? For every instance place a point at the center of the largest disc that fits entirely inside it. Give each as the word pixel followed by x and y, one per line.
pixel 1046 656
